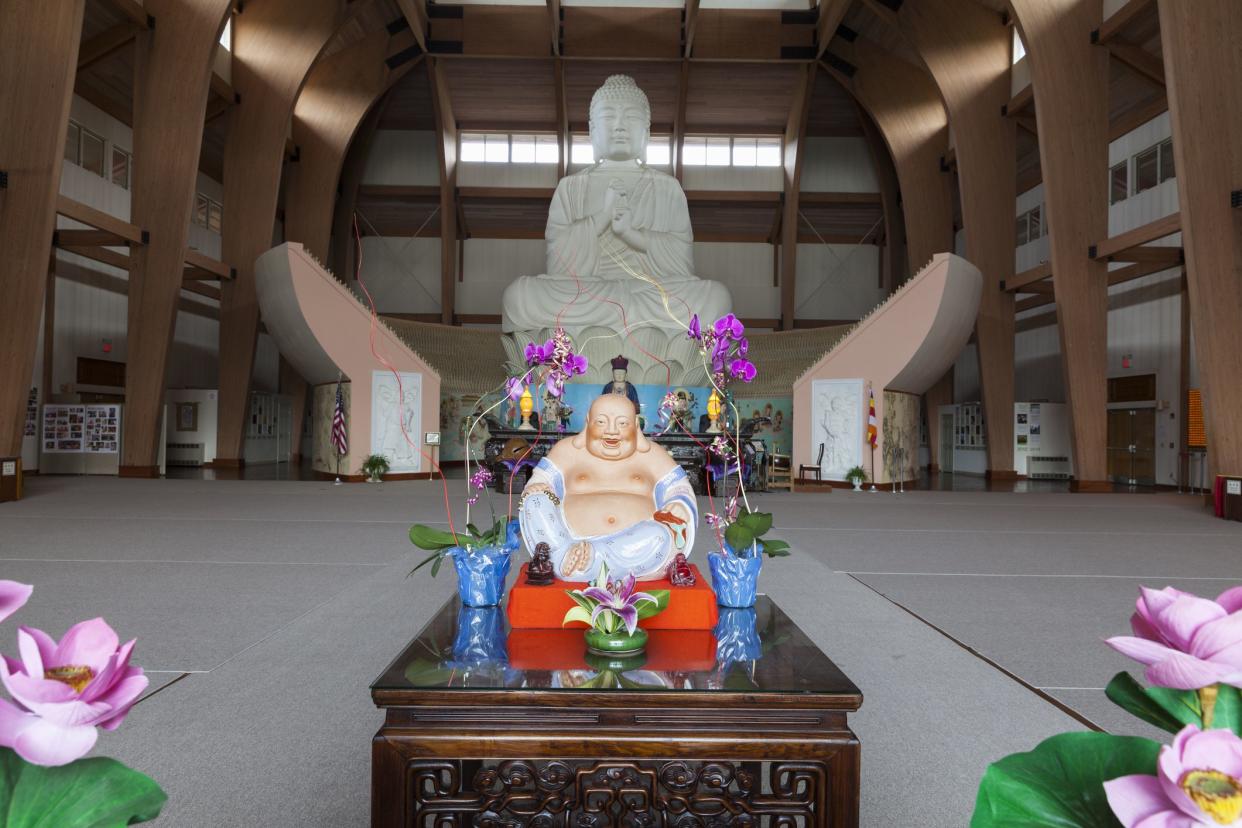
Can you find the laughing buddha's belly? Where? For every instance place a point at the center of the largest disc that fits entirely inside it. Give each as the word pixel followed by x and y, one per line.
pixel 596 513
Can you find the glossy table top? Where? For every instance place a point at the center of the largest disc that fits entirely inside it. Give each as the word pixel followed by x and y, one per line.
pixel 751 654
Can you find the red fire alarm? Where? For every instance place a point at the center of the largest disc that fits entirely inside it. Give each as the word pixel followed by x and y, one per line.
pixel 107 346
pixel 1125 361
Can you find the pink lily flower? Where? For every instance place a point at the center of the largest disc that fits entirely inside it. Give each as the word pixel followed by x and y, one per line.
pixel 623 603
pixel 13 596
pixel 1198 782
pixel 1187 642
pixel 64 690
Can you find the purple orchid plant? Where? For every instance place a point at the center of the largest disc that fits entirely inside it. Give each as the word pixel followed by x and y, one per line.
pixel 1191 648
pixel 62 693
pixel 608 606
pixel 553 362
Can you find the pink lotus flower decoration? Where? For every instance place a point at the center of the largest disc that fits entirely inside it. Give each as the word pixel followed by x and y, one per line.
pixel 64 690
pixel 13 596
pixel 1187 642
pixel 1198 781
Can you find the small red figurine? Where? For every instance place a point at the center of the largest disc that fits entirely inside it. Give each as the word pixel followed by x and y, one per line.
pixel 680 573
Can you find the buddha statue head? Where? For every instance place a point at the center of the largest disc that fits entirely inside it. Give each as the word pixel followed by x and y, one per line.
pixel 612 431
pixel 620 120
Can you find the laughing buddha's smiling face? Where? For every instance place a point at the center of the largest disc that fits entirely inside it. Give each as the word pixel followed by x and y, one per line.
pixel 612 428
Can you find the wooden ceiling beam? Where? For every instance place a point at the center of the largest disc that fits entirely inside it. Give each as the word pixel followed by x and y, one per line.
pixel 1028 277
pixel 216 268
pixel 794 159
pixel 88 238
pixel 1144 63
pixel 1150 253
pixel 1134 118
pixel 1115 277
pixel 1110 248
pixel 554 24
pixel 100 220
pixel 690 19
pixel 1024 98
pixel 446 152
pixel 202 290
pixel 831 13
pixel 1121 18
pixel 134 11
pixel 111 258
pixel 415 12
pixel 678 142
pixel 106 43
pixel 882 13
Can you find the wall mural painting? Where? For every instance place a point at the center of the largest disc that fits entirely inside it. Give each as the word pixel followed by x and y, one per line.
pixel 779 435
pixel 396 425
pixel 901 430
pixel 838 417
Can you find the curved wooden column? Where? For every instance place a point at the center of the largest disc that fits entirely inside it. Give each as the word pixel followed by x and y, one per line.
pixel 967 50
pixel 172 79
pixel 1070 79
pixel 339 91
pixel 905 104
pixel 893 270
pixel 337 94
pixel 275 43
pixel 1203 40
pixel 38 59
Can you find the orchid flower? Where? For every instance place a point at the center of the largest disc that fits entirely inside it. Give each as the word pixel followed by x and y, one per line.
pixel 514 388
pixel 729 326
pixel 694 331
pixel 742 369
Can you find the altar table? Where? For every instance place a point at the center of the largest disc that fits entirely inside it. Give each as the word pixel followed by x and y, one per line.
pixel 480 731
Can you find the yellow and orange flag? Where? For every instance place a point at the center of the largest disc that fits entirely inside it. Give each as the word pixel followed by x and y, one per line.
pixel 873 435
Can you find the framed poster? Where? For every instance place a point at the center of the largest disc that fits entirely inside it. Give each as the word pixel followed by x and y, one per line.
pixel 838 421
pixel 187 416
pixel 396 422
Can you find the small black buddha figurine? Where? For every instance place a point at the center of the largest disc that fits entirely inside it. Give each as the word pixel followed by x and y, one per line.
pixel 680 573
pixel 620 385
pixel 539 570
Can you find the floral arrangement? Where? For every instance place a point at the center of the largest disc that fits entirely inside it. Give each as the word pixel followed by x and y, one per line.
pixel 1192 650
pixel 62 691
pixel 724 349
pixel 608 606
pixel 375 466
pixel 553 363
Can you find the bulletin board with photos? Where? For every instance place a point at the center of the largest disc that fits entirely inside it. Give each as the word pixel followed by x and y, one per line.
pixel 263 412
pixel 969 426
pixel 32 413
pixel 81 429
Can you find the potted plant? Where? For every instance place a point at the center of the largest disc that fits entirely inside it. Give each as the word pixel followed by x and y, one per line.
pixel 482 557
pixel 375 467
pixel 857 476
pixel 612 611
pixel 735 568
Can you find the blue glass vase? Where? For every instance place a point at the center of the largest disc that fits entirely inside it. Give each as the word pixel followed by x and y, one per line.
pixel 735 579
pixel 737 638
pixel 481 573
pixel 480 637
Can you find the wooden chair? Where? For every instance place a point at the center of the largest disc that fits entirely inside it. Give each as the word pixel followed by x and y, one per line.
pixel 806 469
pixel 780 472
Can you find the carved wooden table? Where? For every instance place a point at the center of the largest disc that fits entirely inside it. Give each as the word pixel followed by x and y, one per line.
pixel 484 729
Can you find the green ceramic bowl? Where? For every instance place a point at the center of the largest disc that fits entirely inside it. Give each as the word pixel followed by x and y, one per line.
pixel 616 644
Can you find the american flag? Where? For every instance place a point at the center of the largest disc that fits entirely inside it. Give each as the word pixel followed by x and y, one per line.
pixel 340 440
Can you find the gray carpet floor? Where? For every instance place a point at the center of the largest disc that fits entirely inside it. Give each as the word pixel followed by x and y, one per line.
pixel 264 609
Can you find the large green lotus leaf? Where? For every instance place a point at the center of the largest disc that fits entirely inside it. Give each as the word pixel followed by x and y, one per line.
pixel 1060 784
pixel 89 793
pixel 1167 709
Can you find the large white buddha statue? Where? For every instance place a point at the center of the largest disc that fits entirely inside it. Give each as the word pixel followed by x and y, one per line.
pixel 619 252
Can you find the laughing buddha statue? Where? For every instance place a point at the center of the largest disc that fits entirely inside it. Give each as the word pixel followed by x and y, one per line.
pixel 609 496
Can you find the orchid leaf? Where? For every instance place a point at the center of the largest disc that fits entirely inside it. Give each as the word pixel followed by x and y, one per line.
pixel 473 530
pixel 1165 708
pixel 757 522
pixel 577 614
pixel 89 793
pixel 646 609
pixel 435 567
pixel 772 545
pixel 424 537
pixel 1060 782
pixel 433 559
pixel 739 537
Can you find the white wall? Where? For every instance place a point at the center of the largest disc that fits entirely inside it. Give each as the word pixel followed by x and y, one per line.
pixel 838 165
